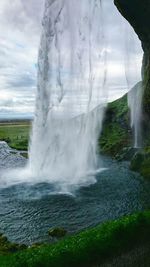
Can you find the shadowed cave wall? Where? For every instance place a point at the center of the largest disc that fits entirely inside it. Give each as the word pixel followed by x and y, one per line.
pixel 137 12
pixel 117 137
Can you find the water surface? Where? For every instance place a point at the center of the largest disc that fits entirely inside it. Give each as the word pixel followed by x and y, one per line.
pixel 27 211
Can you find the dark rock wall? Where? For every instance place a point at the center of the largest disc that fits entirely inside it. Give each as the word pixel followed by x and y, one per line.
pixel 137 12
pixel 116 137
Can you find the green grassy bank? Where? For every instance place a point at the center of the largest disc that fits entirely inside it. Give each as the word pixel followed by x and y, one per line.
pixel 15 133
pixel 89 248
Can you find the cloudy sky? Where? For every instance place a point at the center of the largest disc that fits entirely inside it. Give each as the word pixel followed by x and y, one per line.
pixel 20 28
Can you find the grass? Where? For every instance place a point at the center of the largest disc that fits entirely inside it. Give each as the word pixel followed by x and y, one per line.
pixel 89 248
pixel 16 134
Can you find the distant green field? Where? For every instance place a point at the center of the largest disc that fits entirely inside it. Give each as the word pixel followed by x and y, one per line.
pixel 16 134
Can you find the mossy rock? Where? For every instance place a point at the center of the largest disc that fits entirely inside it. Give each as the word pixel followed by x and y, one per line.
pixel 126 154
pixel 24 154
pixel 13 247
pixel 116 133
pixel 57 232
pixel 145 168
pixel 137 161
pixel 3 239
pixel 141 163
pixel 6 246
pixel 36 245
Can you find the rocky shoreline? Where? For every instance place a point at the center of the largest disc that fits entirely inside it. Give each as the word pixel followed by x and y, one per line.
pixel 11 158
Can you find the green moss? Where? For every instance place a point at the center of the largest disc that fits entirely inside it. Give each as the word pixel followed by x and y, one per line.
pixel 114 138
pixel 141 163
pixel 119 107
pixel 24 154
pixel 136 162
pixel 89 248
pixel 6 246
pixel 145 168
pixel 116 133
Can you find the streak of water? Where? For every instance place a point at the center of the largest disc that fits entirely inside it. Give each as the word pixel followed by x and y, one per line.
pixel 80 59
pixel 71 81
pixel 135 94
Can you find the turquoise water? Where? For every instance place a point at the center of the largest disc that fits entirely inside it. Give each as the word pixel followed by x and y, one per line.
pixel 28 211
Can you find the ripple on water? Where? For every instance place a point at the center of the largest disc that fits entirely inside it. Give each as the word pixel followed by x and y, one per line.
pixel 27 211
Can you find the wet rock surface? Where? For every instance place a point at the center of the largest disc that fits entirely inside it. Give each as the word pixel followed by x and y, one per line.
pixel 10 158
pixel 57 232
pixel 141 163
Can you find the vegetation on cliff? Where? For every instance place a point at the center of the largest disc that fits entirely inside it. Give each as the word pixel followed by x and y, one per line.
pixel 141 163
pixel 116 139
pixel 116 132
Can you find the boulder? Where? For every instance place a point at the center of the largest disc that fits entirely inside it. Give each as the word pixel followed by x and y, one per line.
pixel 57 232
pixel 141 163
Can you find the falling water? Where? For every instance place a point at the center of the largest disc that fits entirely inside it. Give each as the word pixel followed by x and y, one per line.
pixel 135 105
pixel 71 92
pixel 76 69
pixel 135 93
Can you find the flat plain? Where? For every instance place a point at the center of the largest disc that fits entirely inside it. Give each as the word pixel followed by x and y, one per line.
pixel 15 133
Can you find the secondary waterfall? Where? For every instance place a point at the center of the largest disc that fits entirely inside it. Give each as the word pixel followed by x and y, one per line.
pixel 71 92
pixel 135 105
pixel 135 93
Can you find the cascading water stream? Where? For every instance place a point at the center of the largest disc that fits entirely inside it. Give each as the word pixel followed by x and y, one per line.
pixel 135 93
pixel 76 69
pixel 71 75
pixel 135 104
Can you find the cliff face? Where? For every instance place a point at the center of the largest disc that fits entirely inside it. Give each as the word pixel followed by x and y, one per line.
pixel 116 133
pixel 116 137
pixel 137 12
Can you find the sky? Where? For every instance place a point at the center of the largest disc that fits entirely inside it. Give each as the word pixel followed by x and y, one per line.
pixel 20 30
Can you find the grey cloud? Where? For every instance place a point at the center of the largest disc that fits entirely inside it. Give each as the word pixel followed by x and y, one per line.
pixel 20 27
pixel 23 15
pixel 24 80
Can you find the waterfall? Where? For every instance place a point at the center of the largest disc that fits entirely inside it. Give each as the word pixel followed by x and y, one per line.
pixel 82 65
pixel 135 93
pixel 135 104
pixel 71 93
